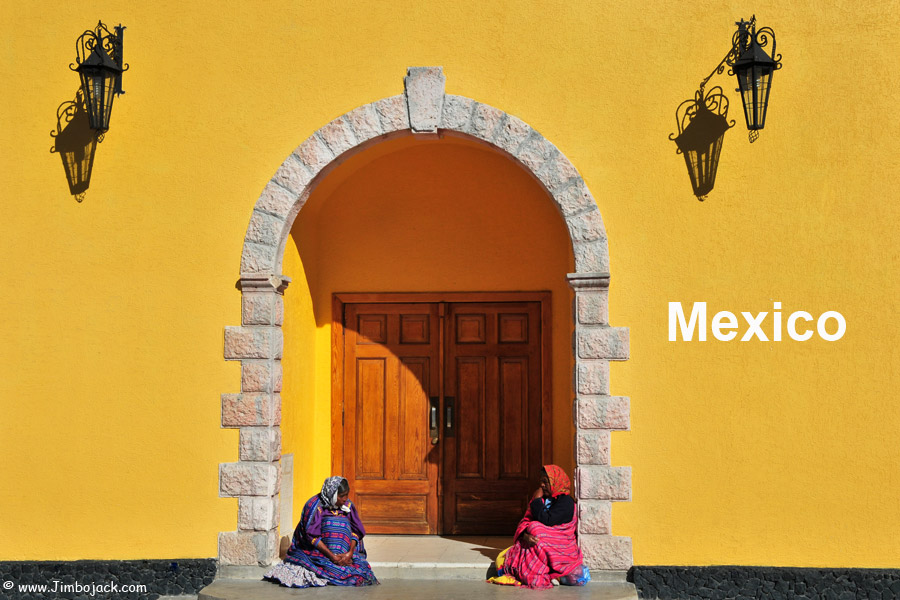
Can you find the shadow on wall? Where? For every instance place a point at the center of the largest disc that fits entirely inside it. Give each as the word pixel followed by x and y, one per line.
pixel 76 144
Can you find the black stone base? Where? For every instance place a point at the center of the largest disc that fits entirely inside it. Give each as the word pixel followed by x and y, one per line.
pixel 97 579
pixel 765 583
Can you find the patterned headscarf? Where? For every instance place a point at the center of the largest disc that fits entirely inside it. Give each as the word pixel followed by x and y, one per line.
pixel 329 493
pixel 559 481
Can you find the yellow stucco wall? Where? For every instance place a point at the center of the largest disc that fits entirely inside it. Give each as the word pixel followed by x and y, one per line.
pixel 742 453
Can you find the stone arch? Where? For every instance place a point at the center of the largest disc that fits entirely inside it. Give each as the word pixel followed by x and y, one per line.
pixel 423 109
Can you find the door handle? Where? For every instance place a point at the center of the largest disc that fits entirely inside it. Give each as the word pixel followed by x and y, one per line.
pixel 434 409
pixel 449 426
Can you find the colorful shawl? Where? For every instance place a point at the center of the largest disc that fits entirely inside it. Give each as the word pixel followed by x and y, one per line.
pixel 559 481
pixel 329 492
pixel 555 555
pixel 336 528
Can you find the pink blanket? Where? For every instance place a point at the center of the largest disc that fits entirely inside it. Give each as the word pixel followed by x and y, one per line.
pixel 556 553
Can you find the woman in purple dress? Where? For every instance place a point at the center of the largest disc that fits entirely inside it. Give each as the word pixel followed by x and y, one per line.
pixel 327 547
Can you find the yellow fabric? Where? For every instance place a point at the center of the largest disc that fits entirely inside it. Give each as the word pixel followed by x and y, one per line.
pixel 505 579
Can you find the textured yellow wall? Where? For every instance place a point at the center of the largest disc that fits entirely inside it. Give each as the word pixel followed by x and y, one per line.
pixel 742 453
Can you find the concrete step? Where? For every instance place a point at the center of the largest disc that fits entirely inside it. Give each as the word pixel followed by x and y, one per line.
pixel 412 589
pixel 445 567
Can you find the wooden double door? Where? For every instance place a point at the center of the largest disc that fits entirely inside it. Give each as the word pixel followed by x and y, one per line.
pixel 444 411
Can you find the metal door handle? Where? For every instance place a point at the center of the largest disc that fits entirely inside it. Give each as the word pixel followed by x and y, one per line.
pixel 434 401
pixel 449 429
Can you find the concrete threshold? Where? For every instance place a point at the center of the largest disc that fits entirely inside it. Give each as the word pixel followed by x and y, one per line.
pixel 412 589
pixel 420 567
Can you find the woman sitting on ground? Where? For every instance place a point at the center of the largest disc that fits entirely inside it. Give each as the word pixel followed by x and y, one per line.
pixel 545 547
pixel 327 547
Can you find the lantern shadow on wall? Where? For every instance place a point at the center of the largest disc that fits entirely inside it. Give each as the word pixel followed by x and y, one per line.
pixel 703 120
pixel 76 144
pixel 82 122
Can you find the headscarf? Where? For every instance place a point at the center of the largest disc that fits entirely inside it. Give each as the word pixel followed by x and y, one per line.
pixel 329 493
pixel 559 481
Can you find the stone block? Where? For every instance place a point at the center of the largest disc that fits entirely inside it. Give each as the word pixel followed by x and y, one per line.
pixel 251 410
pixel 512 133
pixel 256 258
pixel 604 483
pixel 606 552
pixel 603 412
pixel 292 175
pixel 266 547
pixel 276 200
pixel 237 548
pixel 535 152
pixel 257 513
pixel 258 308
pixel 265 229
pixel 457 112
pixel 338 135
pixel 262 444
pixel 485 120
pixel 273 416
pixel 586 226
pixel 556 173
pixel 592 377
pixel 574 199
pixel 611 343
pixel 594 517
pixel 592 307
pixel 393 113
pixel 261 376
pixel 279 310
pixel 253 342
pixel 591 257
pixel 424 97
pixel 365 123
pixel 314 154
pixel 248 479
pixel 591 447
pixel 239 410
pixel 269 409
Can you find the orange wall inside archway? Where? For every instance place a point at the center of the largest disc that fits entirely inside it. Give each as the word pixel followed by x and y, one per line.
pixel 412 215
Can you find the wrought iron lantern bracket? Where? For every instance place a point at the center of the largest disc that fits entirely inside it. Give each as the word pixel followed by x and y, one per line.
pixel 112 44
pixel 703 120
pixel 100 65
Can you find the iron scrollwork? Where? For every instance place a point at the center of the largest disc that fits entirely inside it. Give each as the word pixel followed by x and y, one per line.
pixel 110 41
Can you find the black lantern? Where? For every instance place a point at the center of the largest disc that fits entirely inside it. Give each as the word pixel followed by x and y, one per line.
pixel 76 144
pixel 753 69
pixel 100 67
pixel 702 123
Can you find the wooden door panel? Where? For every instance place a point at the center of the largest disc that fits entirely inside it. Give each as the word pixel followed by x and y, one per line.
pixel 469 408
pixel 391 367
pixel 414 442
pixel 513 398
pixel 371 377
pixel 494 371
pixel 489 358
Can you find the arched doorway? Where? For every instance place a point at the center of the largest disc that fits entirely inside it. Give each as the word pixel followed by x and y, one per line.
pixel 423 110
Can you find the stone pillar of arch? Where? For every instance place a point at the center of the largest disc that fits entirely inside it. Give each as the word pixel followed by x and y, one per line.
pixel 426 110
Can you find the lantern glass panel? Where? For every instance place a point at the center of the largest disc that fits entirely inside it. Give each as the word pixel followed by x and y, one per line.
pixel 98 85
pixel 754 83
